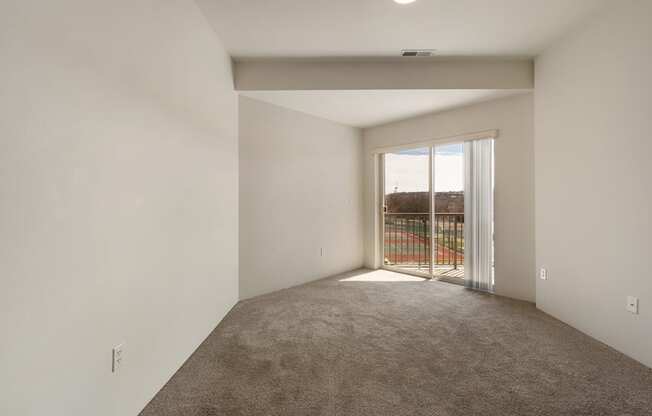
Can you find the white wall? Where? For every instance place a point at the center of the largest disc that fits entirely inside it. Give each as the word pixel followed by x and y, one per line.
pixel 514 194
pixel 593 177
pixel 300 191
pixel 118 199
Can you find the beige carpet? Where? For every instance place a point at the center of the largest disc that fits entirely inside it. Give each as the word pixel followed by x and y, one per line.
pixel 352 345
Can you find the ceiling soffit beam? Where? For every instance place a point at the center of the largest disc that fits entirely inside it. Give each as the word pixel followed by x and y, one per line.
pixel 407 73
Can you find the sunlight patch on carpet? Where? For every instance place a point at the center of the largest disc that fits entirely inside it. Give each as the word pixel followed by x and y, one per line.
pixel 383 276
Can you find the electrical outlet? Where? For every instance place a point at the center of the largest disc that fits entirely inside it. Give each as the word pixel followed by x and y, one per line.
pixel 632 304
pixel 117 358
pixel 543 273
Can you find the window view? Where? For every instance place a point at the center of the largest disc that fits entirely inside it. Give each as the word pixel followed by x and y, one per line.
pixel 449 211
pixel 407 210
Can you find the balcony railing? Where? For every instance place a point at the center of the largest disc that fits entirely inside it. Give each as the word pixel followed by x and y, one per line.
pixel 407 240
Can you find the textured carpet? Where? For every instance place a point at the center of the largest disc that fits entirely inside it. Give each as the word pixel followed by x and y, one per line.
pixel 352 345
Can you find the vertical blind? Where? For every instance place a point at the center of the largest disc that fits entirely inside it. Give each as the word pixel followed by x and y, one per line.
pixel 478 213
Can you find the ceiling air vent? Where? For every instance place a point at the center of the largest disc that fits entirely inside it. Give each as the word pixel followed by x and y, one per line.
pixel 418 52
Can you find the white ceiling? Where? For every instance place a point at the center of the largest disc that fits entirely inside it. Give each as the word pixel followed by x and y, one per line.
pixel 327 28
pixel 381 28
pixel 373 107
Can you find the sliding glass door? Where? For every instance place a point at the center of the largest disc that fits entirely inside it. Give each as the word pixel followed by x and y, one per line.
pixel 424 204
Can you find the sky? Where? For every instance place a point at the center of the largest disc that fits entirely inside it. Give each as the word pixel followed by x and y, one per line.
pixel 407 171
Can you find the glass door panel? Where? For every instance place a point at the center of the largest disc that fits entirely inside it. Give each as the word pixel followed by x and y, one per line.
pixel 448 223
pixel 406 219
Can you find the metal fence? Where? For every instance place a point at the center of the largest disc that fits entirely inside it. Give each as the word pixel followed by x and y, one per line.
pixel 407 239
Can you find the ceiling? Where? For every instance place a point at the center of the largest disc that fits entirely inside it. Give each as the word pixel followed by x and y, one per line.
pixel 344 28
pixel 373 107
pixel 381 28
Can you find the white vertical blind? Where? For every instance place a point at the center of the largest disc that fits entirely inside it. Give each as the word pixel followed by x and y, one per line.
pixel 478 214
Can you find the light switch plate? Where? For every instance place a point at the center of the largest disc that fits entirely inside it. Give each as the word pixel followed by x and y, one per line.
pixel 632 304
pixel 117 358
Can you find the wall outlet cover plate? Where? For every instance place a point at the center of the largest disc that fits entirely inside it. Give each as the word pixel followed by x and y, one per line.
pixel 543 273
